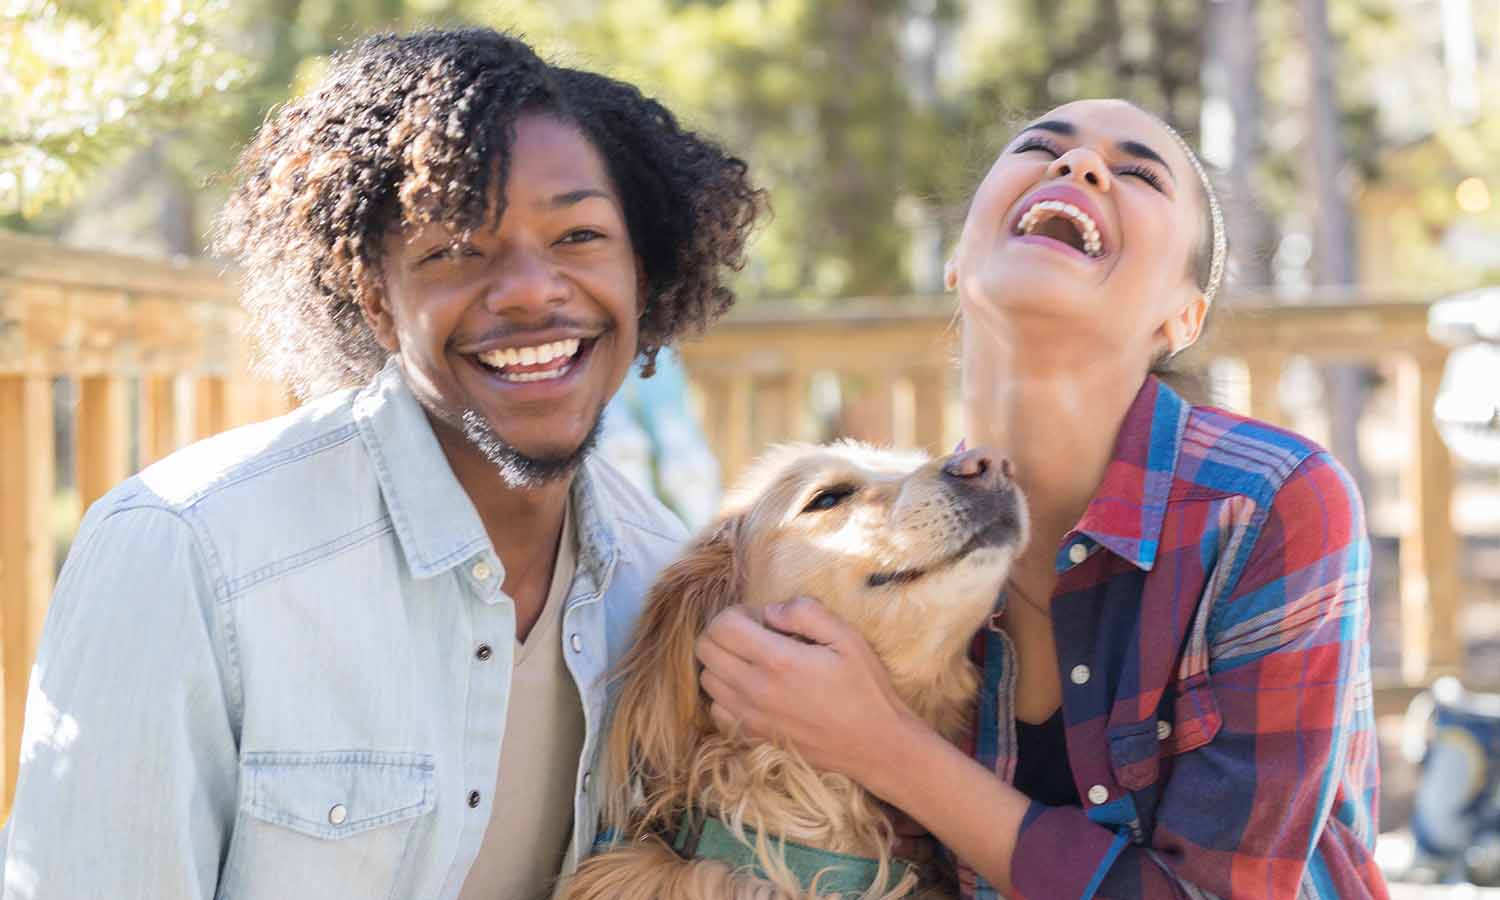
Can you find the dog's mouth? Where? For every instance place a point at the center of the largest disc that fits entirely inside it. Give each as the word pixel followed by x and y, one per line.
pixel 998 532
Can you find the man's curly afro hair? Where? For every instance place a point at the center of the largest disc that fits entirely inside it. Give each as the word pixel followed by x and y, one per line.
pixel 406 130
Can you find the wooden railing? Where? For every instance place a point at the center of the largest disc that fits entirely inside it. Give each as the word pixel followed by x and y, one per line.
pixel 753 373
pixel 153 356
pixel 154 359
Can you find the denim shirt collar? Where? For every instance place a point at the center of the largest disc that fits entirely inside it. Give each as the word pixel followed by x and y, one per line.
pixel 434 519
pixel 1126 513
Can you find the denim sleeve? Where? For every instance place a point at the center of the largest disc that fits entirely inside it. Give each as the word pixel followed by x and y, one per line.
pixel 129 767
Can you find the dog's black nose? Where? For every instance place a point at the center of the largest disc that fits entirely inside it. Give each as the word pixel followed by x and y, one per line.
pixel 979 464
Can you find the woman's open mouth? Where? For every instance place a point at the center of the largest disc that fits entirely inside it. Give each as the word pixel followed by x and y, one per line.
pixel 539 362
pixel 1063 222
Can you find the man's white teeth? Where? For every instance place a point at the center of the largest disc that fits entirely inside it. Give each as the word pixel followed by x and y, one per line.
pixel 540 354
pixel 533 376
pixel 1047 209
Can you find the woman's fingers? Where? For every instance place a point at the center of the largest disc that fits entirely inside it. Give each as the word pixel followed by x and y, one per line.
pixel 808 618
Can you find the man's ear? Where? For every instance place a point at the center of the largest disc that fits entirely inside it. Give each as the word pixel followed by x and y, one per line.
pixel 1183 329
pixel 377 312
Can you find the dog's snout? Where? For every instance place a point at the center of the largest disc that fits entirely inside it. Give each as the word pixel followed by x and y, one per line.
pixel 980 465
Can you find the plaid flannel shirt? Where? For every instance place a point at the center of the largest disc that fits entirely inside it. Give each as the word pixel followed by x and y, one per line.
pixel 1211 624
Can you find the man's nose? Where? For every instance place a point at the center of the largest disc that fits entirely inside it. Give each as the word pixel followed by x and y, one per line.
pixel 1084 165
pixel 525 281
pixel 980 467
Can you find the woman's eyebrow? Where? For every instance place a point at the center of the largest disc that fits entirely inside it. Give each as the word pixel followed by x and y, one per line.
pixel 1056 126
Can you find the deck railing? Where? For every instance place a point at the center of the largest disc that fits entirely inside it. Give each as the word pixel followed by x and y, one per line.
pixel 153 356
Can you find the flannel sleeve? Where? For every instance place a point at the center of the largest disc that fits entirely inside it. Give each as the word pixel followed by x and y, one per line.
pixel 1280 802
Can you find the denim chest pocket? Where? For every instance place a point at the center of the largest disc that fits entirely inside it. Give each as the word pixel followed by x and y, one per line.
pixel 326 824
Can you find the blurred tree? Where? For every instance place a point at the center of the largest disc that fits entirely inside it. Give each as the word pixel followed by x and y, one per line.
pixel 86 81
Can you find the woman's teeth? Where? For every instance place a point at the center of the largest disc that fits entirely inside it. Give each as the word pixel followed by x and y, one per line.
pixel 559 352
pixel 1051 209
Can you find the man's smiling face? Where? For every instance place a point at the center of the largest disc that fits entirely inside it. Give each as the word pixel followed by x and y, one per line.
pixel 515 339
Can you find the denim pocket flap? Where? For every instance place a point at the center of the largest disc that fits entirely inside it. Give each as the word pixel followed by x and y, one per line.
pixel 338 793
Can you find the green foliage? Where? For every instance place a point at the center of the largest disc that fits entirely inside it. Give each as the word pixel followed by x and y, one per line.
pixel 87 80
pixel 869 121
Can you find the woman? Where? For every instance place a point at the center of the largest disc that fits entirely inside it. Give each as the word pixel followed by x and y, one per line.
pixel 1176 699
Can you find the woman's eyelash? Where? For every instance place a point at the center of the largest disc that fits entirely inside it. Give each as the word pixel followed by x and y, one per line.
pixel 1146 175
pixel 1037 144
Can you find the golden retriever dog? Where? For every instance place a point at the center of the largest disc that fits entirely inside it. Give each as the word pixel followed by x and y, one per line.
pixel 913 554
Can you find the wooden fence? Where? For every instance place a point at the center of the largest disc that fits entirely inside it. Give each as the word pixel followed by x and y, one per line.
pixel 154 356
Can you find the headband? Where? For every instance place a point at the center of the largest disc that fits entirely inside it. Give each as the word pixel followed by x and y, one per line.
pixel 1215 214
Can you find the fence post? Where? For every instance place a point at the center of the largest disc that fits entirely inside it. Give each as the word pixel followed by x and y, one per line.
pixel 27 478
pixel 103 442
pixel 1431 644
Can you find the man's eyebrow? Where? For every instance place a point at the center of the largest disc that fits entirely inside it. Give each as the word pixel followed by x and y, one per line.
pixel 570 198
pixel 1136 148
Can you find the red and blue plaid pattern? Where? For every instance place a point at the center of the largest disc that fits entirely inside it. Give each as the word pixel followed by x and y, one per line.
pixel 1213 649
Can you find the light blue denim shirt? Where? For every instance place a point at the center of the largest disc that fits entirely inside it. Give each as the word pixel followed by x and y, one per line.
pixel 261 675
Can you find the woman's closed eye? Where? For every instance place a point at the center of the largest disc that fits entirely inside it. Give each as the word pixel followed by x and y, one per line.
pixel 1036 143
pixel 1146 174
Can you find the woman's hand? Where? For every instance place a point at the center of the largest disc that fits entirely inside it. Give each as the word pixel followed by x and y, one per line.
pixel 827 696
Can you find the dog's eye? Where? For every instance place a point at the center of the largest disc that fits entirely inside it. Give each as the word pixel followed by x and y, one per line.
pixel 828 498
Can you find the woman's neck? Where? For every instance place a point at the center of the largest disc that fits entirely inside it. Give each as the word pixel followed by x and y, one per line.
pixel 1056 419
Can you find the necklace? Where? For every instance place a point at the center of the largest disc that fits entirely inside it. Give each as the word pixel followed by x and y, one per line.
pixel 1014 588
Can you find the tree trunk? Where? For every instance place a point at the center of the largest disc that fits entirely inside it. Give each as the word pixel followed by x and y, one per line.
pixel 1231 79
pixel 1333 226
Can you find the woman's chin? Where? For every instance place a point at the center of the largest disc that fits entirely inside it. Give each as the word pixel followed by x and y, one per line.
pixel 1023 291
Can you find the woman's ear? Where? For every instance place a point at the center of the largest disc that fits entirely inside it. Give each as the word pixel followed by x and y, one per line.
pixel 661 713
pixel 1183 329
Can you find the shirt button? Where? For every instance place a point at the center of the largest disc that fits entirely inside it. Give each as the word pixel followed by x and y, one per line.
pixel 473 799
pixel 576 643
pixel 1163 730
pixel 586 780
pixel 483 653
pixel 1098 795
pixel 1080 675
pixel 481 571
pixel 1078 553
pixel 338 814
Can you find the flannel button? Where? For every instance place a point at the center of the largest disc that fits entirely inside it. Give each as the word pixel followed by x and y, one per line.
pixel 1080 675
pixel 1098 795
pixel 1078 553
pixel 481 571
pixel 338 814
pixel 1163 730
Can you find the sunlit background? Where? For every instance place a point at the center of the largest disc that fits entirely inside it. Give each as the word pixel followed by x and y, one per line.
pixel 1357 144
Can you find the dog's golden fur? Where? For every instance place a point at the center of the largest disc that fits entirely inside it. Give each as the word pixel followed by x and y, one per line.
pixel 664 754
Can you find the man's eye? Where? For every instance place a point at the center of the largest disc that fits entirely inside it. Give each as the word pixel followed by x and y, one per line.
pixel 580 236
pixel 828 498
pixel 450 251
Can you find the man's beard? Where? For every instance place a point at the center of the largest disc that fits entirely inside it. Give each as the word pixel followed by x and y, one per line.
pixel 517 470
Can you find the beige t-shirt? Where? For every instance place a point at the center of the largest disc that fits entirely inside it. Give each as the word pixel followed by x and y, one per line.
pixel 532 819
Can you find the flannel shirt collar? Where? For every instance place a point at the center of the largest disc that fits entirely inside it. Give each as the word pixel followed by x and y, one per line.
pixel 1125 516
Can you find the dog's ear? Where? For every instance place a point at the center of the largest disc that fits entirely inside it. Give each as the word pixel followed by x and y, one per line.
pixel 660 714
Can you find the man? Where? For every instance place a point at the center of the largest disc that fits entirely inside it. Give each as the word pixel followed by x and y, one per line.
pixel 357 652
